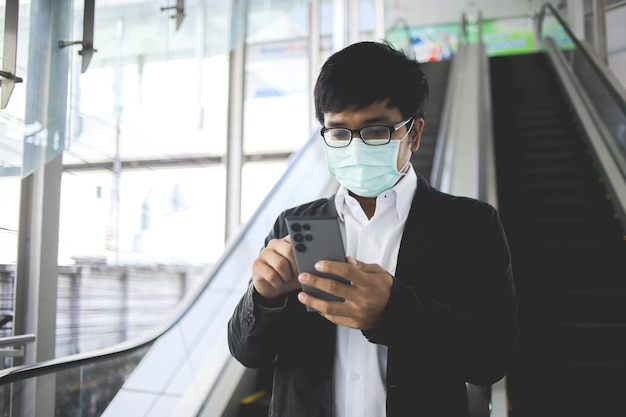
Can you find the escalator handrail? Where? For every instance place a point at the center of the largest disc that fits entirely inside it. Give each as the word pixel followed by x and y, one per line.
pixel 609 148
pixel 21 372
pixel 436 174
pixel 441 143
pixel 616 93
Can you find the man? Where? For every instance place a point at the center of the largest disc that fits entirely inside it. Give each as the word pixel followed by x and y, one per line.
pixel 431 303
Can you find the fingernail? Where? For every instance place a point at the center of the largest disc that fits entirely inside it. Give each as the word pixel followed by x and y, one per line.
pixel 303 277
pixel 302 297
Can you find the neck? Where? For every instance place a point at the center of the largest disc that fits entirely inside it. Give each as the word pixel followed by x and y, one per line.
pixel 368 204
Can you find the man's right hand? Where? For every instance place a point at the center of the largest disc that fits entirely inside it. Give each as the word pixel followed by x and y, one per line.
pixel 274 272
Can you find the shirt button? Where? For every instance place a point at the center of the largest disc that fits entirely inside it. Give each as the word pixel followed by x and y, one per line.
pixel 355 376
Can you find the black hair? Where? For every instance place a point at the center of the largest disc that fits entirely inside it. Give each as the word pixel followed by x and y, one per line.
pixel 365 73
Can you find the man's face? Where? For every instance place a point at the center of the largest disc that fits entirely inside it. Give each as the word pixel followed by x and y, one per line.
pixel 379 114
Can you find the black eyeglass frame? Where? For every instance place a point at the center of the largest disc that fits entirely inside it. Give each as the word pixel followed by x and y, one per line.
pixel 391 129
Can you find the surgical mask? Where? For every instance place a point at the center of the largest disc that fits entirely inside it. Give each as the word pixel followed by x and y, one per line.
pixel 366 170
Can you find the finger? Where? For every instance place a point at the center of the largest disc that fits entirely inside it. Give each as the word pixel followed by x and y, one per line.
pixel 357 272
pixel 266 274
pixel 283 249
pixel 334 267
pixel 273 266
pixel 287 251
pixel 335 309
pixel 346 270
pixel 340 313
pixel 328 285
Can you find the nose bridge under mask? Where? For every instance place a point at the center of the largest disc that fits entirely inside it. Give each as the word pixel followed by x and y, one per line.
pixel 363 154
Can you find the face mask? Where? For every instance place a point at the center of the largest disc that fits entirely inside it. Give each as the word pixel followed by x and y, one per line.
pixel 363 169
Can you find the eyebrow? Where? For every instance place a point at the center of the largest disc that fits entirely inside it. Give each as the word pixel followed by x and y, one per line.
pixel 367 122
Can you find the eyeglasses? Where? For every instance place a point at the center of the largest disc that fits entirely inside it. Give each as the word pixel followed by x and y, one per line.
pixel 340 137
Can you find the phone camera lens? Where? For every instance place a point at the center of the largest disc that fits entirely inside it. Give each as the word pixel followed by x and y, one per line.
pixel 306 226
pixel 300 247
pixel 298 237
pixel 308 237
pixel 296 227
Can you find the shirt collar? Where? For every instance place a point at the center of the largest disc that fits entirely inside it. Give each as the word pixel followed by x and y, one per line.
pixel 404 191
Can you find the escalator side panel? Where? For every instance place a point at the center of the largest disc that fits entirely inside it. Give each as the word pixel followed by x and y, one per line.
pixel 437 75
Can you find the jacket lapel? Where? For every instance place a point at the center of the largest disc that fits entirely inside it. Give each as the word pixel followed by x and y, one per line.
pixel 416 228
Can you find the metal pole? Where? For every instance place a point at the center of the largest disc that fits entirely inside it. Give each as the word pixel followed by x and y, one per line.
pixel 339 25
pixel 38 238
pixel 576 12
pixel 36 274
pixel 234 146
pixel 314 55
pixel 379 16
pixel 75 281
pixel 201 43
pixel 353 23
pixel 599 28
pixel 116 174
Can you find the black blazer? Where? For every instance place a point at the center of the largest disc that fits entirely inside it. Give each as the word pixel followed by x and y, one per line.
pixel 451 317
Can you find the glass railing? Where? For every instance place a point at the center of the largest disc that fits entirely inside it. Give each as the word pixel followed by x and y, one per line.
pixel 176 369
pixel 81 388
pixel 606 95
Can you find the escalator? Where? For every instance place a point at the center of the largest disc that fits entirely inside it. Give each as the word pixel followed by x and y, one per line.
pixel 437 74
pixel 569 253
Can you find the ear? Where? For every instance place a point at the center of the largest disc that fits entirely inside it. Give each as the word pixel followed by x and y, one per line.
pixel 416 134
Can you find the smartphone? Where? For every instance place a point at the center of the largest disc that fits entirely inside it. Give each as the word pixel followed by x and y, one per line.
pixel 314 239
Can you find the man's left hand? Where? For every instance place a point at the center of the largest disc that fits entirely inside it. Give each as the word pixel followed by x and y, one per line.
pixel 365 299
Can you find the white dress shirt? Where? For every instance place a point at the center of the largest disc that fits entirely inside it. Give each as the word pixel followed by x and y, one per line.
pixel 360 368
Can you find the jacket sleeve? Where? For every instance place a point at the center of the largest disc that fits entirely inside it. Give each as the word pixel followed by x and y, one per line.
pixel 252 329
pixel 255 332
pixel 460 309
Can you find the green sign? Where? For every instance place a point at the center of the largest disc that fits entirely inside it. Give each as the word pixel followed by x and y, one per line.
pixel 428 43
pixel 501 37
pixel 508 36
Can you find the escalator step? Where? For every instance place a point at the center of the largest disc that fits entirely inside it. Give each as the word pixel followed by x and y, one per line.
pixel 592 278
pixel 255 405
pixel 589 307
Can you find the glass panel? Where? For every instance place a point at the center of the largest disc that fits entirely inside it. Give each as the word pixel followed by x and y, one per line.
pixel 81 390
pixel 258 180
pixel 143 165
pixel 11 142
pixel 610 107
pixel 142 200
pixel 607 103
pixel 276 83
pixel 176 374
